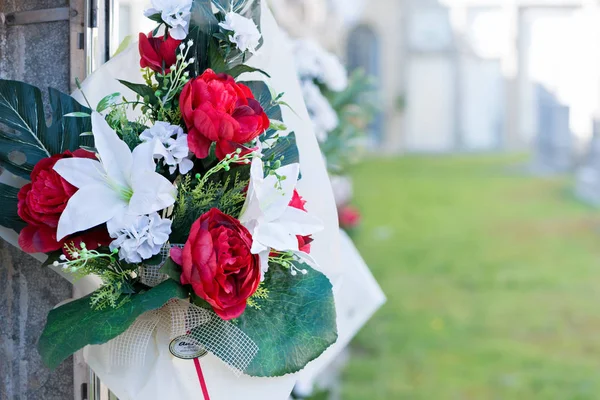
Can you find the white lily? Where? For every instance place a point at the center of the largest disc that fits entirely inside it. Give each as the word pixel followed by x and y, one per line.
pixel 122 183
pixel 269 217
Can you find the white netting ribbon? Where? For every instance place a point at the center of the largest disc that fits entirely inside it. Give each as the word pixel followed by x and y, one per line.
pixel 180 318
pixel 150 275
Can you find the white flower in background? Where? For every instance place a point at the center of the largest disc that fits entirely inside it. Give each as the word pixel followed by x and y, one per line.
pixel 268 216
pixel 172 146
pixel 322 115
pixel 141 237
pixel 334 74
pixel 120 185
pixel 315 63
pixel 175 13
pixel 245 34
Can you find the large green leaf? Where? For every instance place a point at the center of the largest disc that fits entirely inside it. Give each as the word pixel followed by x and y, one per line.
pixel 71 327
pixel 24 137
pixel 8 204
pixel 285 147
pixel 294 325
pixel 262 93
pixel 203 25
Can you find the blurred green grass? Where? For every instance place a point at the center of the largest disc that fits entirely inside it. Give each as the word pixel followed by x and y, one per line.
pixel 492 278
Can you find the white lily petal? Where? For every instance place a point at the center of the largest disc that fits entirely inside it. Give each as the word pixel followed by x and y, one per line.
pixel 118 221
pixel 258 248
pixel 143 156
pixel 89 207
pixel 114 153
pixel 251 209
pixel 276 236
pixel 80 172
pixel 307 258
pixel 151 192
pixel 264 263
pixel 300 222
pixel 274 201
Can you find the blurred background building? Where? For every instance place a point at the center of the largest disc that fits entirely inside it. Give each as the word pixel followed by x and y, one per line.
pixel 466 75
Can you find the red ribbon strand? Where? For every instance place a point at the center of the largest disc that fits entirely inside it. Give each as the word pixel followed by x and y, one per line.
pixel 201 379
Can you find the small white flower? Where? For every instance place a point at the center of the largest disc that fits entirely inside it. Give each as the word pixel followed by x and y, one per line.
pixel 322 115
pixel 141 237
pixel 175 13
pixel 245 33
pixel 172 146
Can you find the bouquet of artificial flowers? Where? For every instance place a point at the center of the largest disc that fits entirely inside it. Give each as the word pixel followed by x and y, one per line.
pixel 188 212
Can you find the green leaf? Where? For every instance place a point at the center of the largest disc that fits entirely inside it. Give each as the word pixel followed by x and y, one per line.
pixel 216 59
pixel 25 138
pixel 145 91
pixel 203 25
pixel 54 256
pixel 294 325
pixel 77 115
pixel 107 101
pixel 262 93
pixel 75 325
pixel 277 125
pixel 285 146
pixel 127 40
pixel 241 69
pixel 8 204
pixel 171 269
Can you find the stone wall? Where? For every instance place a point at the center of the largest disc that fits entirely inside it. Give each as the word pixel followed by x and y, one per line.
pixel 37 54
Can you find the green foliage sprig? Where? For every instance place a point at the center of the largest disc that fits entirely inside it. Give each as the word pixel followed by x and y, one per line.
pixel 172 82
pixel 117 279
pixel 287 260
pixel 262 293
pixel 220 187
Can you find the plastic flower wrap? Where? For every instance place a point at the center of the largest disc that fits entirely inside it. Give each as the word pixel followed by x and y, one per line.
pixel 184 200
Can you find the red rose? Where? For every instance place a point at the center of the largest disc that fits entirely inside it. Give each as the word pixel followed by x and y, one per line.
pixel 303 241
pixel 217 262
pixel 217 109
pixel 41 204
pixel 157 53
pixel 349 217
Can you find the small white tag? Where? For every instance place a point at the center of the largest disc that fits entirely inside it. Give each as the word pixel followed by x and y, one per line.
pixel 182 347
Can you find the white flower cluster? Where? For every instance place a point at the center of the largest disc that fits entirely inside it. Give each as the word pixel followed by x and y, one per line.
pixel 245 35
pixel 175 13
pixel 315 66
pixel 313 62
pixel 171 146
pixel 141 237
pixel 322 115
